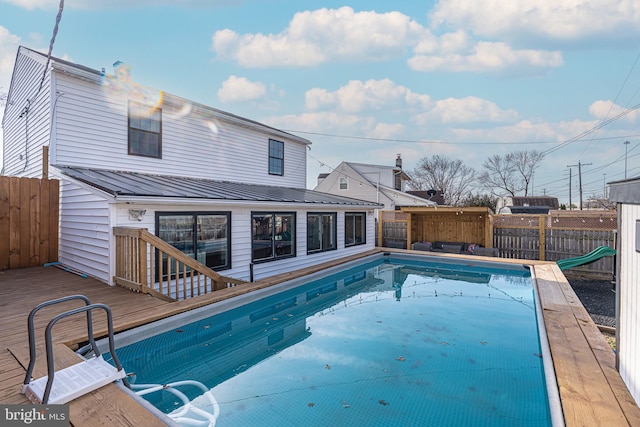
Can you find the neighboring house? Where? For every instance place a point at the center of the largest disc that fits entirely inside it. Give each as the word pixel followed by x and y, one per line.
pixel 432 195
pixel 226 190
pixel 379 184
pixel 526 205
pixel 626 194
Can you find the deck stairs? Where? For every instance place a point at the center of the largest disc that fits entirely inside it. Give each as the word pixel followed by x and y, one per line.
pixel 63 386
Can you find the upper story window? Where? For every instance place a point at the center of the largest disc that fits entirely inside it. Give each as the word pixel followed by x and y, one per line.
pixel 355 228
pixel 273 235
pixel 344 183
pixel 276 157
pixel 321 232
pixel 145 130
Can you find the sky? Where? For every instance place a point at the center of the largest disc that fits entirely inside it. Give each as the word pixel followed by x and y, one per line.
pixel 368 80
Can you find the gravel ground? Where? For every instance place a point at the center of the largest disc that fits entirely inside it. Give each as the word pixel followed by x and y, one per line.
pixel 598 298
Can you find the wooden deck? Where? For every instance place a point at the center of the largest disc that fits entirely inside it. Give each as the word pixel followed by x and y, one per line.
pixel 591 390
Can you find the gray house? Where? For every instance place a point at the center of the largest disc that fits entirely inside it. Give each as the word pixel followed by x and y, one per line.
pixel 225 190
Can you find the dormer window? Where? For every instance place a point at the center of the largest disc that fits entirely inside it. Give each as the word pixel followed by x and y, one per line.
pixel 276 157
pixel 145 130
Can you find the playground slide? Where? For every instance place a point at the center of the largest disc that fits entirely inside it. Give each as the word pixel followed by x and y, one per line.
pixel 594 255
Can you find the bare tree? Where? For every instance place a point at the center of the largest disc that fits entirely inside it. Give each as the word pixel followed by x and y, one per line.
pixel 481 200
pixel 3 98
pixel 443 174
pixel 511 173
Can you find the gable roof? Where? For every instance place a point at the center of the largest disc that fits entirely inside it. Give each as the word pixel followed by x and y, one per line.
pixel 361 168
pixel 541 201
pixel 132 184
pixel 100 77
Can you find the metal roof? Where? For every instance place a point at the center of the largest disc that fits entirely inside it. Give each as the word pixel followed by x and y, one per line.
pixel 132 184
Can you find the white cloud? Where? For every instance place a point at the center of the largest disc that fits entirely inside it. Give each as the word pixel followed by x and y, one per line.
pixel 8 48
pixel 485 56
pixel 388 130
pixel 527 130
pixel 604 110
pixel 550 19
pixel 466 110
pixel 372 95
pixel 238 89
pixel 315 37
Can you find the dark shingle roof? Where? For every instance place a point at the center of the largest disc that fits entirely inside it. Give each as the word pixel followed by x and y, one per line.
pixel 120 183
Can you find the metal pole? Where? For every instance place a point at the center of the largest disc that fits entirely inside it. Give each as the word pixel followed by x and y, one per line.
pixel 570 205
pixel 626 147
pixel 580 181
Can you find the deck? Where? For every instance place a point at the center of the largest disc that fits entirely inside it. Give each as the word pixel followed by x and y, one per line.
pixel 591 390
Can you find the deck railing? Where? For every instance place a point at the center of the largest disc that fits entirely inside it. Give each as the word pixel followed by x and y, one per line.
pixel 177 276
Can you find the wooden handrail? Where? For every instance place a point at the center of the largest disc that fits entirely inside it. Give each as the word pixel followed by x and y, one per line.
pixel 185 277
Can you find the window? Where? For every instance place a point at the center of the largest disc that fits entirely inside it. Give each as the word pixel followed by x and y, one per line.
pixel 344 183
pixel 201 235
pixel 145 130
pixel 355 228
pixel 276 157
pixel 273 236
pixel 321 232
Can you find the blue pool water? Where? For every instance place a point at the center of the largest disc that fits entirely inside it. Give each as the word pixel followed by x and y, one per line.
pixel 390 342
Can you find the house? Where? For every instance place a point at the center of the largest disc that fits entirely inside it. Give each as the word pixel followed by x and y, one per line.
pixel 527 205
pixel 379 184
pixel 626 195
pixel 226 190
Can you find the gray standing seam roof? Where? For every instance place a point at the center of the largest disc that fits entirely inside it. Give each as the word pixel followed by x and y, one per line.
pixel 120 183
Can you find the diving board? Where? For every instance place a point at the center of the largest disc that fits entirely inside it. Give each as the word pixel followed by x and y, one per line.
pixel 594 255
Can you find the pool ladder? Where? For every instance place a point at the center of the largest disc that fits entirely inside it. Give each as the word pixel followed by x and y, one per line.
pixel 62 386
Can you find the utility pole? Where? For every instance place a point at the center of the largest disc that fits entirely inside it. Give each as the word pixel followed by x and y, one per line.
pixel 570 204
pixel 580 177
pixel 626 147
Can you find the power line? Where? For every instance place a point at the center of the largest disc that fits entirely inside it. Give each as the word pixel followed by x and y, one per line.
pixel 615 100
pixel 422 141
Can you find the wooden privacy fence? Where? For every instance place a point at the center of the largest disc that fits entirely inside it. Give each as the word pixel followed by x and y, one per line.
pixel 558 235
pixel 29 214
pixel 145 263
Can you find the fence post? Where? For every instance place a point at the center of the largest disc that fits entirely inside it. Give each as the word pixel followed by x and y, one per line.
pixel 542 236
pixel 380 228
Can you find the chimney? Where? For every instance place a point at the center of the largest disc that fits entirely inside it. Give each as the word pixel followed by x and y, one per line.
pixel 398 174
pixel 122 71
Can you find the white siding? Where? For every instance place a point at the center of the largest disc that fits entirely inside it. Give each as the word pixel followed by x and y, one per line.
pixel 92 132
pixel 629 296
pixel 25 132
pixel 358 187
pixel 84 230
pixel 241 237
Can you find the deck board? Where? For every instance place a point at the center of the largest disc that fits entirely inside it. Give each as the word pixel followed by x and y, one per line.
pixel 591 390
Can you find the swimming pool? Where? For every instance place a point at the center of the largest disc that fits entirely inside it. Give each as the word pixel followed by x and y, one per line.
pixel 390 341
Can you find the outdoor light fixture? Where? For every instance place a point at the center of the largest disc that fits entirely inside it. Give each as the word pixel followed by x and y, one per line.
pixel 136 214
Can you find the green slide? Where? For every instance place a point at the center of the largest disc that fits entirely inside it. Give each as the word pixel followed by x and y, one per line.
pixel 594 255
